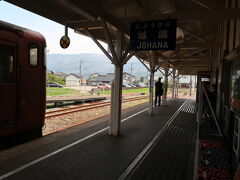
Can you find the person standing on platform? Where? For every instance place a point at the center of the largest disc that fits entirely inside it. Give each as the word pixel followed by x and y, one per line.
pixel 158 91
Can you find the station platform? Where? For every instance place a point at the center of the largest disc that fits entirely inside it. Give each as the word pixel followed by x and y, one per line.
pixel 59 102
pixel 159 146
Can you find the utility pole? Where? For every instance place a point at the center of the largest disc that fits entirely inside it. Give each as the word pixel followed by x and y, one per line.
pixel 80 68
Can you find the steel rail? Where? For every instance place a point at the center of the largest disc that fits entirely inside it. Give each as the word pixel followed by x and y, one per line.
pixel 84 108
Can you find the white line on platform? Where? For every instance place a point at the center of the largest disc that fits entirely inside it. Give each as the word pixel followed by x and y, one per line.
pixel 135 163
pixel 10 173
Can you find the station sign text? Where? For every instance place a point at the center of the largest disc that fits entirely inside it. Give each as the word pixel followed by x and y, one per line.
pixel 153 35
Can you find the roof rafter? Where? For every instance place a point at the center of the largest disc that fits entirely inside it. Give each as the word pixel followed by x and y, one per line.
pixel 68 4
pixel 198 45
pixel 113 4
pixel 202 4
pixel 214 15
pixel 97 24
pixel 193 34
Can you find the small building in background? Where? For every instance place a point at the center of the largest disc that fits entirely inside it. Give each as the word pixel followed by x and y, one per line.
pixel 91 81
pixel 94 75
pixel 105 78
pixel 95 79
pixel 73 80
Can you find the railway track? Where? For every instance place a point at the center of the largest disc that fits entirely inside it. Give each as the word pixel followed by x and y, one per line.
pixel 79 108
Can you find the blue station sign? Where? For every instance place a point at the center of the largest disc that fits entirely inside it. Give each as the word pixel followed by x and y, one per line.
pixel 153 35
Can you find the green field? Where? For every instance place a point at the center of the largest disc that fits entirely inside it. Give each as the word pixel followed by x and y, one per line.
pixel 67 91
pixel 51 91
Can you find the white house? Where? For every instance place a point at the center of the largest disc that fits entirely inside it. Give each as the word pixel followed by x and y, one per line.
pixel 73 80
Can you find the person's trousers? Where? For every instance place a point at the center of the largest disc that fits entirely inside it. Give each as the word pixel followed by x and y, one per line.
pixel 158 97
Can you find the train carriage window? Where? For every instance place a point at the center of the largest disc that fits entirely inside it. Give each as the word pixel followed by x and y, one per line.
pixel 33 54
pixel 6 63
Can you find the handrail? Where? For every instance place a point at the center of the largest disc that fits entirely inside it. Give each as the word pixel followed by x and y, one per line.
pixel 213 114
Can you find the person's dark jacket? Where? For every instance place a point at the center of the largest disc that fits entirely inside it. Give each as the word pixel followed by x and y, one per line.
pixel 159 88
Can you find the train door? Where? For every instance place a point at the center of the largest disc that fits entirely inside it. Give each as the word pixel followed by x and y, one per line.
pixel 8 86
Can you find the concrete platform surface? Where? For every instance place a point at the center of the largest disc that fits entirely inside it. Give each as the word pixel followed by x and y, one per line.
pixel 87 152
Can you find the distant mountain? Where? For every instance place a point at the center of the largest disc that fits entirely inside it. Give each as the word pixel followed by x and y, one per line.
pixel 90 63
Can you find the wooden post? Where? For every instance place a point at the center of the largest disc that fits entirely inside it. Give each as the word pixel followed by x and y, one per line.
pixel 177 89
pixel 165 86
pixel 152 58
pixel 151 87
pixel 116 99
pixel 118 60
pixel 173 83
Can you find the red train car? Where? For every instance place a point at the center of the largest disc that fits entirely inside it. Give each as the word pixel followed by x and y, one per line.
pixel 22 83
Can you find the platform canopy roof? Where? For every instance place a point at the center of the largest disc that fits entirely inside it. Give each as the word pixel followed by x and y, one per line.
pixel 198 34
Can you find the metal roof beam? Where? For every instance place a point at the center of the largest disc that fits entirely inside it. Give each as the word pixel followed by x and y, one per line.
pixel 113 4
pixel 97 24
pixel 193 34
pixel 214 15
pixel 76 9
pixel 141 61
pixel 128 57
pixel 161 71
pixel 202 4
pixel 187 59
pixel 109 40
pixel 190 57
pixel 199 52
pixel 100 46
pixel 198 45
pixel 185 67
pixel 164 58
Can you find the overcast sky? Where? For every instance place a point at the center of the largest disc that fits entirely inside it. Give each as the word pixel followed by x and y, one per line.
pixel 51 30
